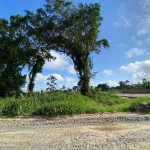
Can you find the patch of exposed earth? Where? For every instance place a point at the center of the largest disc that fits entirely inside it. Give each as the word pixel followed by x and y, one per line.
pixel 118 131
pixel 133 95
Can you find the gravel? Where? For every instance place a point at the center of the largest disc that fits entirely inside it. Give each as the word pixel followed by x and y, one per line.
pixel 118 131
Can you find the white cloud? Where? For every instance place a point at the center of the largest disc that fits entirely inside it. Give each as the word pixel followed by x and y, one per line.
pixel 125 21
pixel 108 72
pixel 145 5
pixel 41 81
pixel 143 27
pixel 139 76
pixel 71 70
pixel 132 67
pixel 60 63
pixel 70 82
pixel 58 77
pixel 39 87
pixel 112 83
pixel 136 41
pixel 139 43
pixel 41 77
pixel 139 69
pixel 134 52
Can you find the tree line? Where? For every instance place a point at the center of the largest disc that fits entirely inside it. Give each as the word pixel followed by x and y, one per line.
pixel 125 85
pixel 27 41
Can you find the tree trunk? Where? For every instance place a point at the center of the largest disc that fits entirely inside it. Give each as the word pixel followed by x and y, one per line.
pixel 85 86
pixel 85 79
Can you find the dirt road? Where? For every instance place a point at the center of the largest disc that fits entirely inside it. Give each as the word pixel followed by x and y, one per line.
pixel 120 131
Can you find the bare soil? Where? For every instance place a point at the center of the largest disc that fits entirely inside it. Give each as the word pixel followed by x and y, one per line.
pixel 133 95
pixel 58 133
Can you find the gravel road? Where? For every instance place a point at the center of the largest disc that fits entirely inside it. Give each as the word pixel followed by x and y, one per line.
pixel 117 131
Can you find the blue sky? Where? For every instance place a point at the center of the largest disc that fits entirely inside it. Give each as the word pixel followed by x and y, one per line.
pixel 126 25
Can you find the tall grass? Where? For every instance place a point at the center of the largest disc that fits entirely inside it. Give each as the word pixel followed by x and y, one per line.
pixel 135 102
pixel 60 103
pixel 52 104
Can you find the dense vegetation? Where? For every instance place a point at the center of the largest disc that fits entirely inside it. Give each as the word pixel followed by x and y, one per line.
pixel 59 26
pixel 27 41
pixel 67 103
pixel 125 85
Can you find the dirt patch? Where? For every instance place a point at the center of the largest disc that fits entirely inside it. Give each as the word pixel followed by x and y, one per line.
pixel 131 96
pixel 40 133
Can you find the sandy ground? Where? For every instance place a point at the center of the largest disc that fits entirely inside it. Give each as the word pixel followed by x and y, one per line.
pixel 133 95
pixel 40 133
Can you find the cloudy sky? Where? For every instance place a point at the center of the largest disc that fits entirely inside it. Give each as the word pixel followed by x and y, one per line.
pixel 126 25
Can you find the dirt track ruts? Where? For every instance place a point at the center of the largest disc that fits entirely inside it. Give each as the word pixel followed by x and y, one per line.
pixel 118 131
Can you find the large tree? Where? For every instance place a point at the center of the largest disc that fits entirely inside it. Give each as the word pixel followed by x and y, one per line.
pixel 73 31
pixel 12 56
pixel 19 47
pixel 39 51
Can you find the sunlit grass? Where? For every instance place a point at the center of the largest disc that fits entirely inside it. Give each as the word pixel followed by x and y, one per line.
pixel 52 104
pixel 60 103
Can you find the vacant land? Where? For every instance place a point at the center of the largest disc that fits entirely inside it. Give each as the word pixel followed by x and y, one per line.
pixel 115 131
pixel 133 95
pixel 101 131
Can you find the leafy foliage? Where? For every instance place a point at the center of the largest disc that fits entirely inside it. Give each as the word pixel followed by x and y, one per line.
pixel 61 26
pixel 72 31
pixel 12 58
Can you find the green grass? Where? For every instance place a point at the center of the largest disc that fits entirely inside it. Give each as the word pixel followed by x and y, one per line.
pixel 136 101
pixel 52 104
pixel 59 103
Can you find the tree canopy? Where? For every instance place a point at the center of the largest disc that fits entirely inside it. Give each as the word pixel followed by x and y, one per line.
pixel 12 55
pixel 73 31
pixel 59 26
